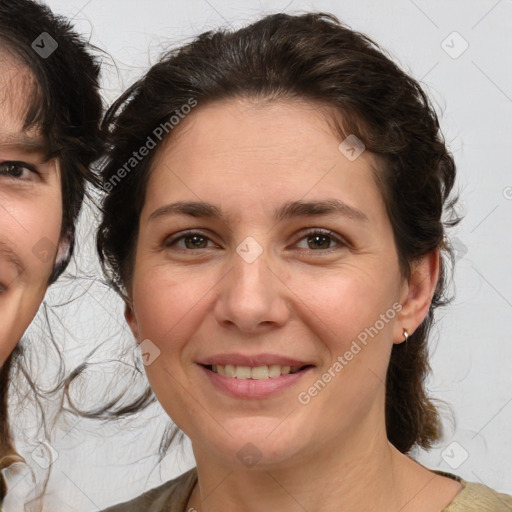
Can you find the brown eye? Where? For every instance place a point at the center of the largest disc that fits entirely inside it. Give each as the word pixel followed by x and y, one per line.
pixel 17 170
pixel 319 242
pixel 189 241
pixel 195 242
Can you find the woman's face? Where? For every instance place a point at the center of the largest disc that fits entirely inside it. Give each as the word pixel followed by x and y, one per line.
pixel 263 249
pixel 30 210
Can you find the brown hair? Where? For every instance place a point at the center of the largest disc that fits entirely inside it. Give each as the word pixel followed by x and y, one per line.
pixel 313 57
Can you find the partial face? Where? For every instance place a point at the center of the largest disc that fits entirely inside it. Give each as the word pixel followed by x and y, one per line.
pixel 30 210
pixel 264 261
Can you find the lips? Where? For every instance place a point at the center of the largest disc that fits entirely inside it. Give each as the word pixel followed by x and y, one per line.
pixel 256 376
pixel 254 388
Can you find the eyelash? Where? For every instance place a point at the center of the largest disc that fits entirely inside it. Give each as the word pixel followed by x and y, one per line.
pixel 169 242
pixel 18 166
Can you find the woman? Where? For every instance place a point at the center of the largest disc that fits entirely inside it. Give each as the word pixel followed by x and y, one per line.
pixel 273 220
pixel 50 110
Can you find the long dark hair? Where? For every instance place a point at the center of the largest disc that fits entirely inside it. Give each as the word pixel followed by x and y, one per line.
pixel 65 105
pixel 313 57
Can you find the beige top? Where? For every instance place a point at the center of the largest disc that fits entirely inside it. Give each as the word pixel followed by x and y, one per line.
pixel 173 496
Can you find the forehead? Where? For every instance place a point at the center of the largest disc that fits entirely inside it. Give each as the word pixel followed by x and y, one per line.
pixel 227 124
pixel 246 136
pixel 17 87
pixel 237 152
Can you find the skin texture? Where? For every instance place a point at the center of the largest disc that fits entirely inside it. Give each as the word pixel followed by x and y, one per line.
pixel 295 300
pixel 30 210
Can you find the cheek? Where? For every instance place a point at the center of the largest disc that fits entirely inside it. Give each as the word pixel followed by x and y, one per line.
pixel 345 302
pixel 351 313
pixel 169 309
pixel 32 229
pixel 167 304
pixel 356 344
pixel 41 240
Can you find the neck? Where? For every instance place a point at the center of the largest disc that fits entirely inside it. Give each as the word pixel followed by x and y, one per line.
pixel 363 473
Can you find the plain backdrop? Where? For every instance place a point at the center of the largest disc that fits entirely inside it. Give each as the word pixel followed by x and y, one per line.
pixel 460 51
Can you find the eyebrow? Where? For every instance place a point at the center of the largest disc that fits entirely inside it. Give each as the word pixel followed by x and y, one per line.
pixel 25 143
pixel 287 211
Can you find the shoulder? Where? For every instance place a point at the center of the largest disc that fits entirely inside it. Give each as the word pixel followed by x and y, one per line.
pixel 475 497
pixel 171 496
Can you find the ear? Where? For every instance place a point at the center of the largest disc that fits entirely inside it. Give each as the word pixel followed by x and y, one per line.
pixel 63 255
pixel 416 295
pixel 64 249
pixel 131 320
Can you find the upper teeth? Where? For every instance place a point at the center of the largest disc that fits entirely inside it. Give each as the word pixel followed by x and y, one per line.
pixel 257 372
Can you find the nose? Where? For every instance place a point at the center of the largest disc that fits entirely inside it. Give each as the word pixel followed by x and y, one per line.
pixel 253 297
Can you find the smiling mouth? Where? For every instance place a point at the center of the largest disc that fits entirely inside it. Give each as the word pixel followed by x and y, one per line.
pixel 11 267
pixel 262 372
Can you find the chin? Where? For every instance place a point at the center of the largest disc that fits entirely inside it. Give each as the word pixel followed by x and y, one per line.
pixel 262 443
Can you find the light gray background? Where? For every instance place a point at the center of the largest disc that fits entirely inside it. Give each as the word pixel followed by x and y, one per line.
pixel 472 344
